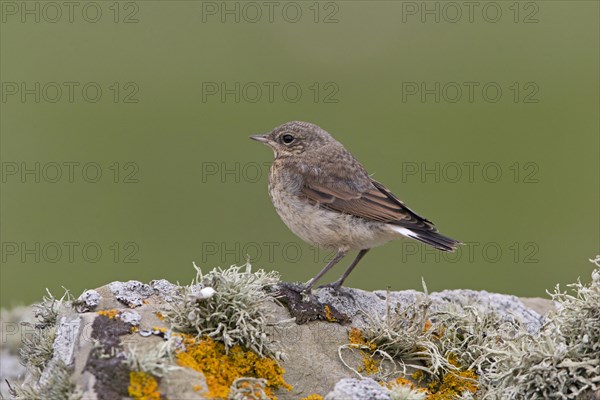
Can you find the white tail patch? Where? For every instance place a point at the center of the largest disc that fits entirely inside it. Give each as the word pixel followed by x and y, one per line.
pixel 405 232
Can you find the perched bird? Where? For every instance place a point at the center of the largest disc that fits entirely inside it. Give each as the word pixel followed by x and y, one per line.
pixel 327 198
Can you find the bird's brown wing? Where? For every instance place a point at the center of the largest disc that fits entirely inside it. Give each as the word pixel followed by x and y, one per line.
pixel 376 203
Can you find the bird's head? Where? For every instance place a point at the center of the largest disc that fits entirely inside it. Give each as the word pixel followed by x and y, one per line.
pixel 295 138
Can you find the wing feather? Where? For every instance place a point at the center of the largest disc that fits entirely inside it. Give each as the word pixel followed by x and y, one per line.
pixel 377 203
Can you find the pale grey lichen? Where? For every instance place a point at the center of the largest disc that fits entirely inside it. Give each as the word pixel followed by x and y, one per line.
pixel 47 311
pixel 248 389
pixel 58 387
pixel 232 311
pixel 562 361
pixel 407 336
pixel 42 354
pixel 37 348
pixel 358 389
pixel 87 301
pixel 399 391
pixel 131 293
pixel 156 360
pixel 130 317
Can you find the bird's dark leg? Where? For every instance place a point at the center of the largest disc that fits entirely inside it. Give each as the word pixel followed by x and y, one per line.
pixel 337 284
pixel 340 254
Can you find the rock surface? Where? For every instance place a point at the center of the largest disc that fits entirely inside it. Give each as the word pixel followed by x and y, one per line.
pixel 94 343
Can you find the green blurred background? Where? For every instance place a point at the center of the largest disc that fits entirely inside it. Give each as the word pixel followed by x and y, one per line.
pixel 181 182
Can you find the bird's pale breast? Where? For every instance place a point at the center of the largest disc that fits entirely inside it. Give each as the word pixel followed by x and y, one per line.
pixel 320 226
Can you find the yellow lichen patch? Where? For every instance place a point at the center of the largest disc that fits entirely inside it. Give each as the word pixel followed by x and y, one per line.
pixel 143 386
pixel 160 329
pixel 222 368
pixel 109 313
pixel 159 315
pixel 328 315
pixel 356 337
pixel 453 385
pixel 313 397
pixel 370 364
pixel 404 381
pixel 134 329
pixel 398 381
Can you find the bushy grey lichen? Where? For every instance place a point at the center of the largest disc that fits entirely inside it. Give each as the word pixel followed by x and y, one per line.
pixel 37 348
pixel 58 387
pixel 408 336
pixel 156 360
pixel 37 352
pixel 559 361
pixel 47 311
pixel 400 391
pixel 562 361
pixel 225 305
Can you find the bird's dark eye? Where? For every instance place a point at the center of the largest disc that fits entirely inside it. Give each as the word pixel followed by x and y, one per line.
pixel 287 139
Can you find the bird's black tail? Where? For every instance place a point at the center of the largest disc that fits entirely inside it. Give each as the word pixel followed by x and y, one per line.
pixel 431 237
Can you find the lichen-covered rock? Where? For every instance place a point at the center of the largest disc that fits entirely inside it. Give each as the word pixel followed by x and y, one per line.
pixel 358 389
pixel 136 340
pixel 131 293
pixel 88 301
pixel 358 304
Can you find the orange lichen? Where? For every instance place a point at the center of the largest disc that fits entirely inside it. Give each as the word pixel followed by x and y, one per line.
pixel 453 385
pixel 418 376
pixel 313 397
pixel 356 337
pixel 370 364
pixel 159 315
pixel 134 329
pixel 398 381
pixel 427 325
pixel 160 329
pixel 404 381
pixel 109 313
pixel 328 315
pixel 143 386
pixel 222 368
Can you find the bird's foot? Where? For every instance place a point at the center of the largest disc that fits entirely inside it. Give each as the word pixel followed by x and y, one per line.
pixel 303 291
pixel 304 306
pixel 306 293
pixel 306 288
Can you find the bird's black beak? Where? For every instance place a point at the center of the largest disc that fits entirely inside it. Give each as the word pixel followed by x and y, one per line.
pixel 260 138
